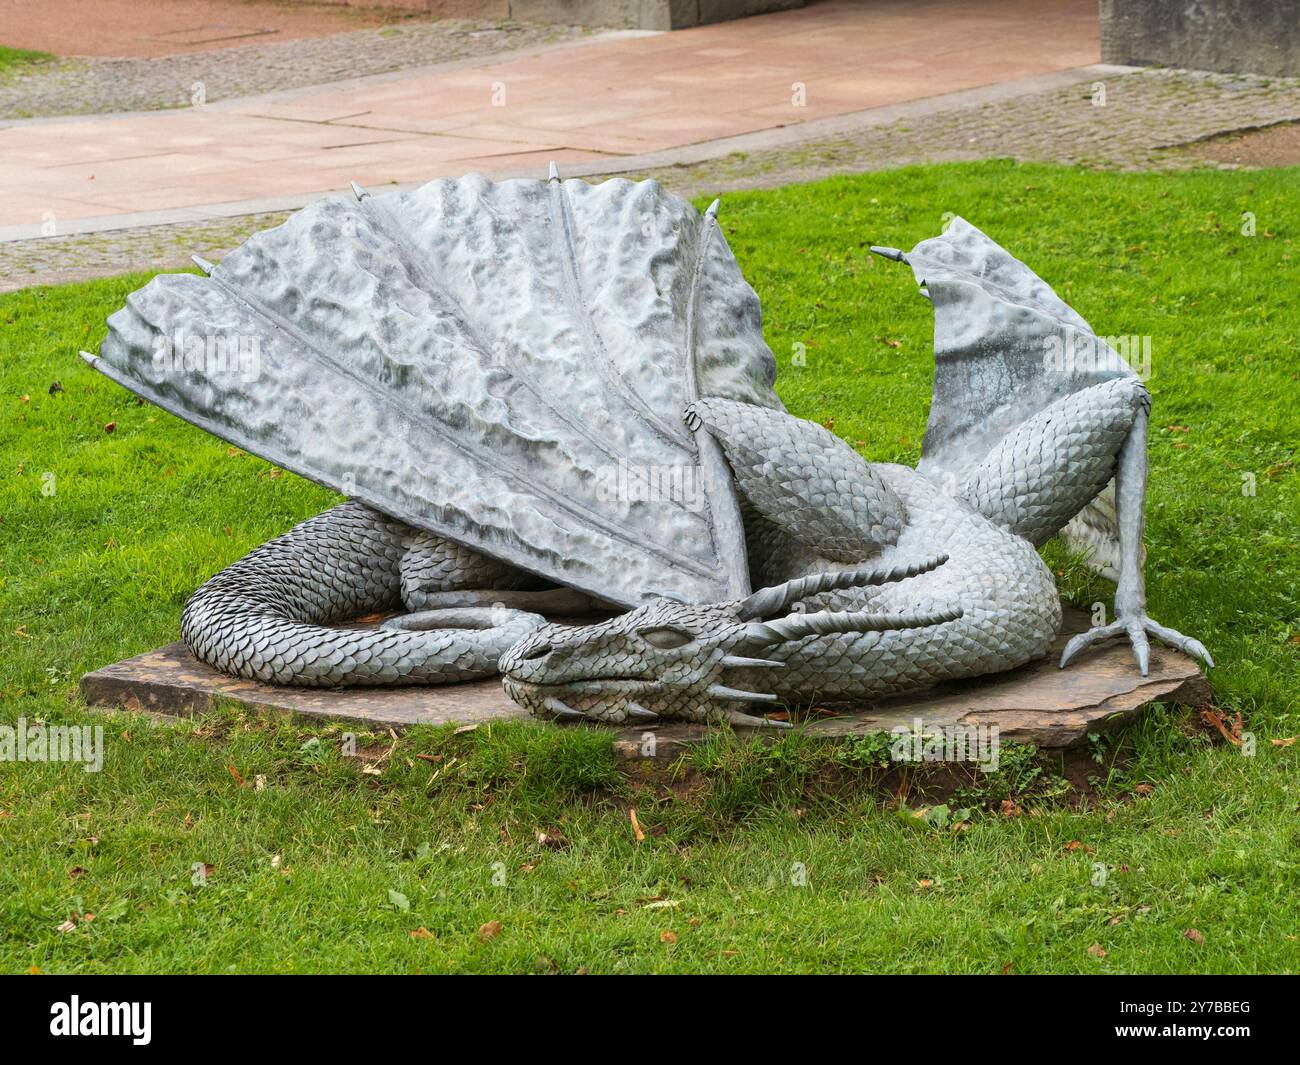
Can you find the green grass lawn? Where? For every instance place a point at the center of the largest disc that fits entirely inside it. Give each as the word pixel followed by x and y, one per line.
pixel 12 60
pixel 793 857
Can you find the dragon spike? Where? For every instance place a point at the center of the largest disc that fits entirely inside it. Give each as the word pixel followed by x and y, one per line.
pixel 721 691
pixel 359 192
pixel 712 212
pixel 562 710
pixel 203 264
pixel 774 600
pixel 552 172
pixel 737 718
pixel 741 662
pixel 639 711
pixel 889 253
pixel 827 622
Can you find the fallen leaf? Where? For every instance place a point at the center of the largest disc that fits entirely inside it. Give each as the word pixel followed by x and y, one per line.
pixel 636 825
pixel 668 936
pixel 275 861
pixel 1010 809
pixel 235 773
pixel 421 933
pixel 1006 969
pixel 1289 741
pixel 489 931
pixel 1219 720
pixel 463 729
pixel 67 926
pixel 551 839
pixel 1194 935
pixel 1144 789
pixel 923 883
pixel 110 427
pixel 75 872
pixel 398 900
pixel 1097 951
pixel 663 904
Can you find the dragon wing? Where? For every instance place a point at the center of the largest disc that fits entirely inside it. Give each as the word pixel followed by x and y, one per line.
pixel 504 364
pixel 1005 347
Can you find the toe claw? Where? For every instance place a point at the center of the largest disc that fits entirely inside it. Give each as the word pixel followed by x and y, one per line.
pixel 1175 639
pixel 1087 639
pixel 561 711
pixel 1141 648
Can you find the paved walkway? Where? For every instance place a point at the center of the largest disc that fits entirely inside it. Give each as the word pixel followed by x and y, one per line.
pixel 1145 114
pixel 98 86
pixel 165 27
pixel 589 105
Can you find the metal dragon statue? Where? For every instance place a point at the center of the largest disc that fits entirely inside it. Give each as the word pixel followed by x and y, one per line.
pixel 549 396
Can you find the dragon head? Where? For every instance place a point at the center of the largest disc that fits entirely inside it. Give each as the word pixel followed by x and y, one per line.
pixel 690 662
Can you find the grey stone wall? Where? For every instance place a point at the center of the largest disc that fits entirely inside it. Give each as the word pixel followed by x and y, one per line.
pixel 642 14
pixel 1238 36
pixel 622 14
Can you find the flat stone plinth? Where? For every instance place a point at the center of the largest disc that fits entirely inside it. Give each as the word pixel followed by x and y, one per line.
pixel 1037 703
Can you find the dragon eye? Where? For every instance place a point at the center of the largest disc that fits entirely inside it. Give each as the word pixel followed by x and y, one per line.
pixel 664 638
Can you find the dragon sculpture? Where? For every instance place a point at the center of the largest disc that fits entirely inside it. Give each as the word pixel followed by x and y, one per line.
pixel 504 376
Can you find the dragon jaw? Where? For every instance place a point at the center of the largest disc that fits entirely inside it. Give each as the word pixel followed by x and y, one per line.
pixel 675 660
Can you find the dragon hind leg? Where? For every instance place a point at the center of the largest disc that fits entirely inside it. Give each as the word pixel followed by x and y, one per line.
pixel 1041 475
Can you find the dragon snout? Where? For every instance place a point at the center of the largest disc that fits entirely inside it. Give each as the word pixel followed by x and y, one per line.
pixel 533 658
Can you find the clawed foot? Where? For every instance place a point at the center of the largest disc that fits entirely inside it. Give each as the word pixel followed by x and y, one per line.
pixel 1137 626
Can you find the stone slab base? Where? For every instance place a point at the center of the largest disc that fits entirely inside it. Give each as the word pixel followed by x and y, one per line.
pixel 1037 703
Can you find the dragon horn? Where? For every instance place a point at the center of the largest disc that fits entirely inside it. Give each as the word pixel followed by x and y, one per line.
pixel 769 601
pixel 826 622
pixel 737 718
